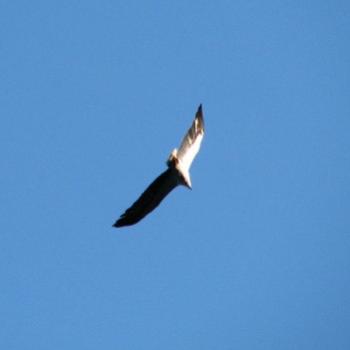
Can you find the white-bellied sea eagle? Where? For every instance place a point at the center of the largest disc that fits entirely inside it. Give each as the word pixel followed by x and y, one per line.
pixel 179 163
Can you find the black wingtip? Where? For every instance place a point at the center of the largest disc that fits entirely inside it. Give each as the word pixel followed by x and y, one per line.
pixel 122 221
pixel 199 116
pixel 116 224
pixel 199 113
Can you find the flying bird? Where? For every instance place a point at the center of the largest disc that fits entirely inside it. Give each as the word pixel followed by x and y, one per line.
pixel 179 163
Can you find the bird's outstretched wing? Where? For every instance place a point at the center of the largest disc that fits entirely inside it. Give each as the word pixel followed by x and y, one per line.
pixel 149 199
pixel 192 141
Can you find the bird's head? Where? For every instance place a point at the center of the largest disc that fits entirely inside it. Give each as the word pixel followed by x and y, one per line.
pixel 172 160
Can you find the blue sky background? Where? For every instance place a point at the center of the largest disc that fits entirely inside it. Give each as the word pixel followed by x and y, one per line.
pixel 95 94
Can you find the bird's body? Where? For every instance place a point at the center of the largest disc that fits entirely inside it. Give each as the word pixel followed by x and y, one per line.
pixel 178 163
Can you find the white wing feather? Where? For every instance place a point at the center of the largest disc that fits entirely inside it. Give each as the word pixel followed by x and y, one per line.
pixel 192 141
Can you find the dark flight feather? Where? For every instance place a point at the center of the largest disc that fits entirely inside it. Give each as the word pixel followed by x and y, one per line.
pixel 150 198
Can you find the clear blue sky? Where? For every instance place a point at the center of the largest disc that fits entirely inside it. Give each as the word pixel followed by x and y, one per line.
pixel 95 94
